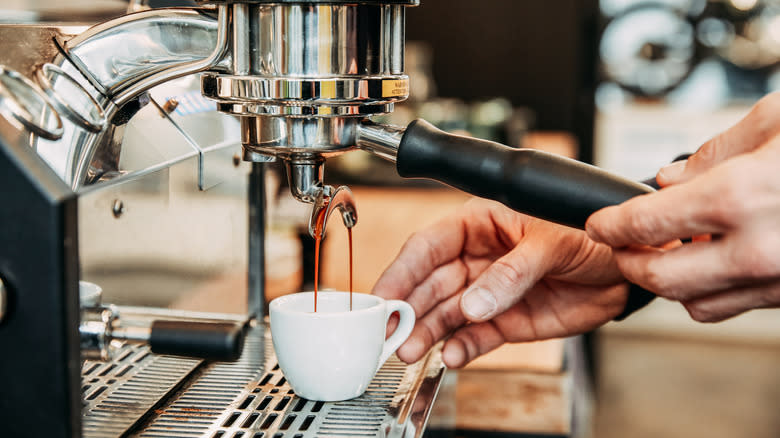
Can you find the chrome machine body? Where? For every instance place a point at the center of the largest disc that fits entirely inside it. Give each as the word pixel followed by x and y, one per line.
pixel 121 151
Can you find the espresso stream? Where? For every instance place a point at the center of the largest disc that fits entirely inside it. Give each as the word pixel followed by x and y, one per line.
pixel 318 234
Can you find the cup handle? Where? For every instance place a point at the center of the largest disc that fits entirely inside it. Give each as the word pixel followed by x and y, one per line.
pixel 404 329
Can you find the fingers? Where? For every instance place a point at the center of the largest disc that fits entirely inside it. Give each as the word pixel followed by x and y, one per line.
pixel 759 126
pixel 431 328
pixel 549 310
pixel 445 281
pixel 676 212
pixel 681 274
pixel 470 342
pixel 425 251
pixel 698 269
pixel 505 282
pixel 723 305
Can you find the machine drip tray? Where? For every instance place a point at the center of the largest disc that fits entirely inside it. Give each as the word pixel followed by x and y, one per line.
pixel 141 394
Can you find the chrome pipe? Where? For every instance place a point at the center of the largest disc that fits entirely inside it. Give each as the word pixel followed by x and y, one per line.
pixel 136 335
pixel 129 55
pixel 380 140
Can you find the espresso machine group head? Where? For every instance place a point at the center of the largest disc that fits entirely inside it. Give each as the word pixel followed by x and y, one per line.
pixel 302 76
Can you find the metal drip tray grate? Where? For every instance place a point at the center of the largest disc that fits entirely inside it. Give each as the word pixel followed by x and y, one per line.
pixel 117 394
pixel 250 398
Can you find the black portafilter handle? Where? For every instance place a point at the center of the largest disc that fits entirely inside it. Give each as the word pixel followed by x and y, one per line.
pixel 533 182
pixel 222 341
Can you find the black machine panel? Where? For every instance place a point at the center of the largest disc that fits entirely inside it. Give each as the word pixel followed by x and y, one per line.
pixel 39 369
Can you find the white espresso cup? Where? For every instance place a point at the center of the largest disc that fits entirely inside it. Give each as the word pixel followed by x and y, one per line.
pixel 333 354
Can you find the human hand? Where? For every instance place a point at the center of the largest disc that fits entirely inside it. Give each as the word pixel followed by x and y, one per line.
pixel 488 275
pixel 727 197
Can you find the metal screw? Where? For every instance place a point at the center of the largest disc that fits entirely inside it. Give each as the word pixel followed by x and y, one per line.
pixel 236 160
pixel 118 208
pixel 3 300
pixel 170 105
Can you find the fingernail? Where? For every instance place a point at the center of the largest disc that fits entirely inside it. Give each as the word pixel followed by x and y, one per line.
pixel 410 351
pixel 672 172
pixel 479 303
pixel 453 356
pixel 592 233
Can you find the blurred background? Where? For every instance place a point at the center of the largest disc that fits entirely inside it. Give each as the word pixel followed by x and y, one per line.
pixel 625 84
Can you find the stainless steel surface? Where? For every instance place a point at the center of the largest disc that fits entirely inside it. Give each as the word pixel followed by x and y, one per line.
pixel 294 138
pixel 118 394
pixel 241 39
pixel 129 55
pixel 251 397
pixel 294 96
pixel 380 140
pixel 330 40
pixel 172 239
pixel 96 332
pixel 25 48
pixel 70 98
pixel 73 156
pixel 23 102
pixel 123 58
pixel 132 334
pixel 82 158
pixel 3 300
pixel 305 94
pixel 330 200
pixel 304 177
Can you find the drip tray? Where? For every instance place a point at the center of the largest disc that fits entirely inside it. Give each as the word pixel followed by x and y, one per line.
pixel 146 395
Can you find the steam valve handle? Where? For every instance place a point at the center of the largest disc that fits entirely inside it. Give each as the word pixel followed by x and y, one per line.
pixel 221 341
pixel 537 183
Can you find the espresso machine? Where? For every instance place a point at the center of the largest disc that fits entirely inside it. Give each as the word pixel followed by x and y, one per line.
pixel 140 144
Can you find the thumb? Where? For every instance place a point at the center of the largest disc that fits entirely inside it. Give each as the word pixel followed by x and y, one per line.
pixel 504 282
pixel 758 126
